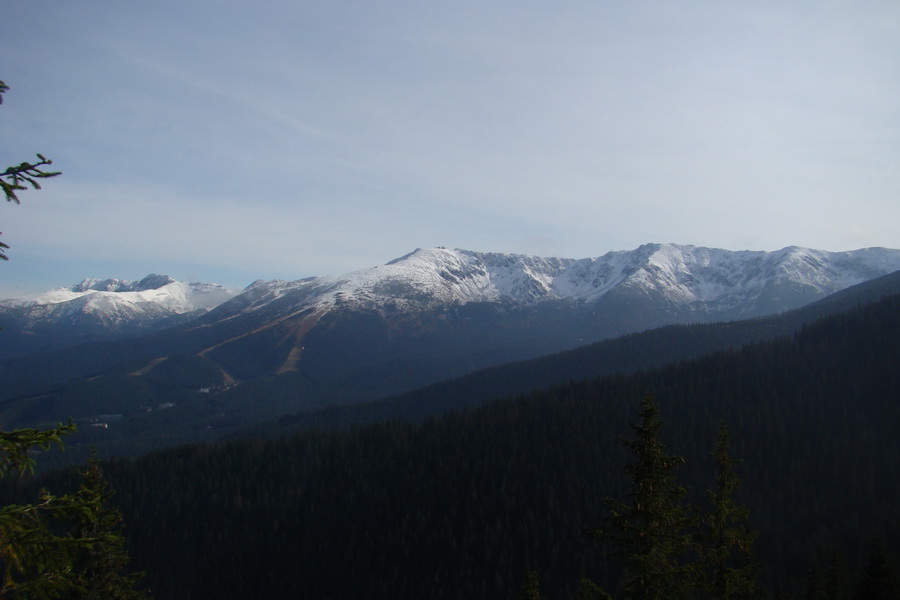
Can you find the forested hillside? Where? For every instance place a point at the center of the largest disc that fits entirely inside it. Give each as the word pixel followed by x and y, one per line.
pixel 462 506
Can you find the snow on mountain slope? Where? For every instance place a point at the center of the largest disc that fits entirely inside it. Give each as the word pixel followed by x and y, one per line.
pixel 651 285
pixel 155 295
pixel 705 280
pixel 102 309
pixel 427 316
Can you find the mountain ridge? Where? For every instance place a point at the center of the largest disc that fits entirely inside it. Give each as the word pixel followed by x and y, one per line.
pixel 706 279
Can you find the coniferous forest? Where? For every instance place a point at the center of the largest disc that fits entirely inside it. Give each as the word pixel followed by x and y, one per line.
pixel 475 503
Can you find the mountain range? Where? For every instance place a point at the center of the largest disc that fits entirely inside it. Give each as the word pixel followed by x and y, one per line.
pixel 102 309
pixel 685 281
pixel 661 282
pixel 283 347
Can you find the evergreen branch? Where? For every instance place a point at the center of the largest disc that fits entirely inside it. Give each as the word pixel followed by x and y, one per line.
pixel 13 178
pixel 14 446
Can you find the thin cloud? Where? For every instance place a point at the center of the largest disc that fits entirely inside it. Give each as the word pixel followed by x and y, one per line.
pixel 305 139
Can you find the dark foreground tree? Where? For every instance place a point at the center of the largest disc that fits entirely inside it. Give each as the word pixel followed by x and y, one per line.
pixel 651 531
pixel 588 590
pixel 100 567
pixel 878 580
pixel 66 547
pixel 531 588
pixel 33 563
pixel 730 569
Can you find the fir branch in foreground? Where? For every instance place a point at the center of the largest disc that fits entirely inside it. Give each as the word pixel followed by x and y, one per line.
pixel 13 179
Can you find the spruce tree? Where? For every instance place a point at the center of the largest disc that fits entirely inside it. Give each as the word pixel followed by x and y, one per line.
pixel 837 580
pixel 651 531
pixel 814 588
pixel 100 567
pixel 64 547
pixel 730 568
pixel 588 590
pixel 531 588
pixel 878 580
pixel 34 563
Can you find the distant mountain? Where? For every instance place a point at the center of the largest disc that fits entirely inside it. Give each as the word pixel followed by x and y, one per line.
pixel 558 302
pixel 96 309
pixel 287 347
pixel 682 280
pixel 441 312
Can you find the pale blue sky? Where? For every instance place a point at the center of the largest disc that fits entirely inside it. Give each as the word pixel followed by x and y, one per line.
pixel 234 140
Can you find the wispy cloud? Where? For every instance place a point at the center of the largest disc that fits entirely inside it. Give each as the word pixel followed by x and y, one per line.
pixel 302 138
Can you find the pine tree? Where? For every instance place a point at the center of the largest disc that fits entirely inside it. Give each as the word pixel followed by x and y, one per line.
pixel 61 547
pixel 67 547
pixel 837 581
pixel 100 566
pixel 878 580
pixel 652 530
pixel 730 568
pixel 588 590
pixel 531 589
pixel 35 563
pixel 815 584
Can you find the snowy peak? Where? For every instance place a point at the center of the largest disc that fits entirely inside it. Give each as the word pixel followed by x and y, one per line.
pixel 714 280
pixel 705 281
pixel 150 282
pixel 98 309
pixel 153 291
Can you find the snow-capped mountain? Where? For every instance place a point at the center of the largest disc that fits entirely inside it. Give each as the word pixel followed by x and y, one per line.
pixel 703 282
pixel 429 316
pixel 438 293
pixel 98 309
pixel 445 311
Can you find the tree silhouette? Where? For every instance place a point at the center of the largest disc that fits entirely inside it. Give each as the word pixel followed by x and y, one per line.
pixel 730 567
pixel 652 530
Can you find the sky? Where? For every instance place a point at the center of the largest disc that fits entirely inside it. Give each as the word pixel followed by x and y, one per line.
pixel 228 141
